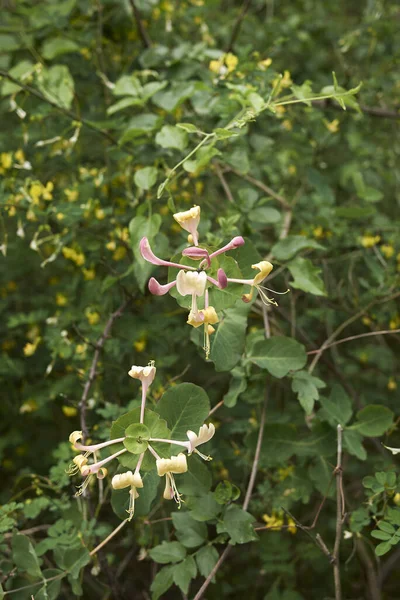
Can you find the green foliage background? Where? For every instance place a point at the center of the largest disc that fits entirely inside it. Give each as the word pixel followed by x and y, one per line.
pixel 86 140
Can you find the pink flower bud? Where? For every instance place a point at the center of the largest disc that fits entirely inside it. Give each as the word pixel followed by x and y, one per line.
pixel 157 289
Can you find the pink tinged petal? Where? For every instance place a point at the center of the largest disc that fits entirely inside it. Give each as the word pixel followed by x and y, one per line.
pixel 159 290
pixel 89 469
pixel 236 242
pixel 196 253
pixel 222 279
pixel 148 254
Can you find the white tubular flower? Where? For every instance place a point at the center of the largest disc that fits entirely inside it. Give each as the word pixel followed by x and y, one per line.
pixel 175 464
pixel 75 436
pixel 206 432
pixel 128 479
pixel 392 450
pixel 191 283
pixel 189 221
pixel 145 374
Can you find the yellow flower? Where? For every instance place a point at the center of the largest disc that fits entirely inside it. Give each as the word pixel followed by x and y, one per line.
pixel 392 385
pixel 366 321
pixel 264 64
pixel 396 499
pixel 287 124
pixel 20 156
pixel 215 66
pixel 333 126
pixel 35 192
pixel 60 216
pixel 61 300
pixel 387 250
pixel 291 526
pixel 99 214
pixel 89 274
pixel 369 241
pixel 120 253
pixel 28 406
pixel 140 345
pixel 47 195
pixel 283 473
pixel 231 61
pixel 111 245
pixel 6 160
pixel 72 195
pixel 30 347
pixel 275 521
pixel 395 322
pixel 92 317
pixel 318 232
pixel 69 411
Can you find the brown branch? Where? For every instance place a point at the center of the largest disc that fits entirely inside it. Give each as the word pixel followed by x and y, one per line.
pixel 339 515
pixel 238 24
pixel 92 372
pixel 216 407
pixel 261 186
pixel 213 572
pixel 372 588
pixel 141 28
pixel 356 337
pixel 388 566
pixel 373 111
pixel 224 183
pixel 65 111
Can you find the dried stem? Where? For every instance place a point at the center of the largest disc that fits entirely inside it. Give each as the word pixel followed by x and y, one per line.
pixel 238 24
pixel 141 28
pixel 354 337
pixel 262 186
pixel 92 372
pixel 339 515
pixel 373 111
pixel 108 538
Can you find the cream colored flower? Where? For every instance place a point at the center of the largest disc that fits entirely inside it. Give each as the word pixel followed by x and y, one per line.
pixel 124 480
pixel 145 374
pixel 175 464
pixel 189 221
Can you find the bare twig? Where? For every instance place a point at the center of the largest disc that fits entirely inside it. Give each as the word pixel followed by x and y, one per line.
pixel 92 372
pixel 109 537
pixel 372 588
pixel 257 453
pixel 216 407
pixel 339 515
pixel 213 572
pixel 343 325
pixel 262 186
pixel 141 28
pixel 238 24
pixel 224 183
pixel 317 540
pixel 31 90
pixel 355 337
pixel 29 531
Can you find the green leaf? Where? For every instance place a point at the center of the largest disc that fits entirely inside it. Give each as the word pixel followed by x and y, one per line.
pixel 172 137
pixel 206 559
pixel 127 85
pixel 306 387
pixel 168 552
pixel 147 494
pixel 229 339
pixel 239 525
pixel 75 559
pixel 188 127
pixel 57 46
pixel 157 428
pixel 162 582
pixel 352 441
pixel 338 409
pixel 57 85
pixel 306 277
pixel 224 492
pixel 201 159
pixel 264 215
pixel 137 436
pixel 237 386
pixel 184 406
pixel 385 526
pixel 383 548
pixel 145 178
pixel 373 420
pixel 140 125
pixel 172 98
pixel 21 71
pixel 197 480
pixel 24 555
pixel 143 227
pixel 223 134
pixel 278 355
pixel 203 508
pixel 189 532
pixel 289 247
pixel 380 535
pixel 184 572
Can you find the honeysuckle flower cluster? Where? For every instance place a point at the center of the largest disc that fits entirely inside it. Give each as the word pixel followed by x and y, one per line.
pixel 194 282
pixel 166 467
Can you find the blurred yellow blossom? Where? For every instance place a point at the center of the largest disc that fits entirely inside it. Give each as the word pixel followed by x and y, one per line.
pixel 215 66
pixel 231 61
pixel 264 64
pixel 35 191
pixel 333 126
pixel 120 253
pixel 394 323
pixel 72 195
pixel 69 411
pixel 287 124
pixel 6 160
pixel 30 347
pixel 61 300
pixel 20 156
pixel 81 348
pixel 318 232
pixel 28 406
pixel 396 499
pixel 89 274
pixel 366 321
pixel 392 385
pixel 60 216
pixel 92 316
pixel 140 345
pixel 284 472
pixel 369 241
pixel 275 521
pixel 99 214
pixel 387 250
pixel 75 256
pixel 291 526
